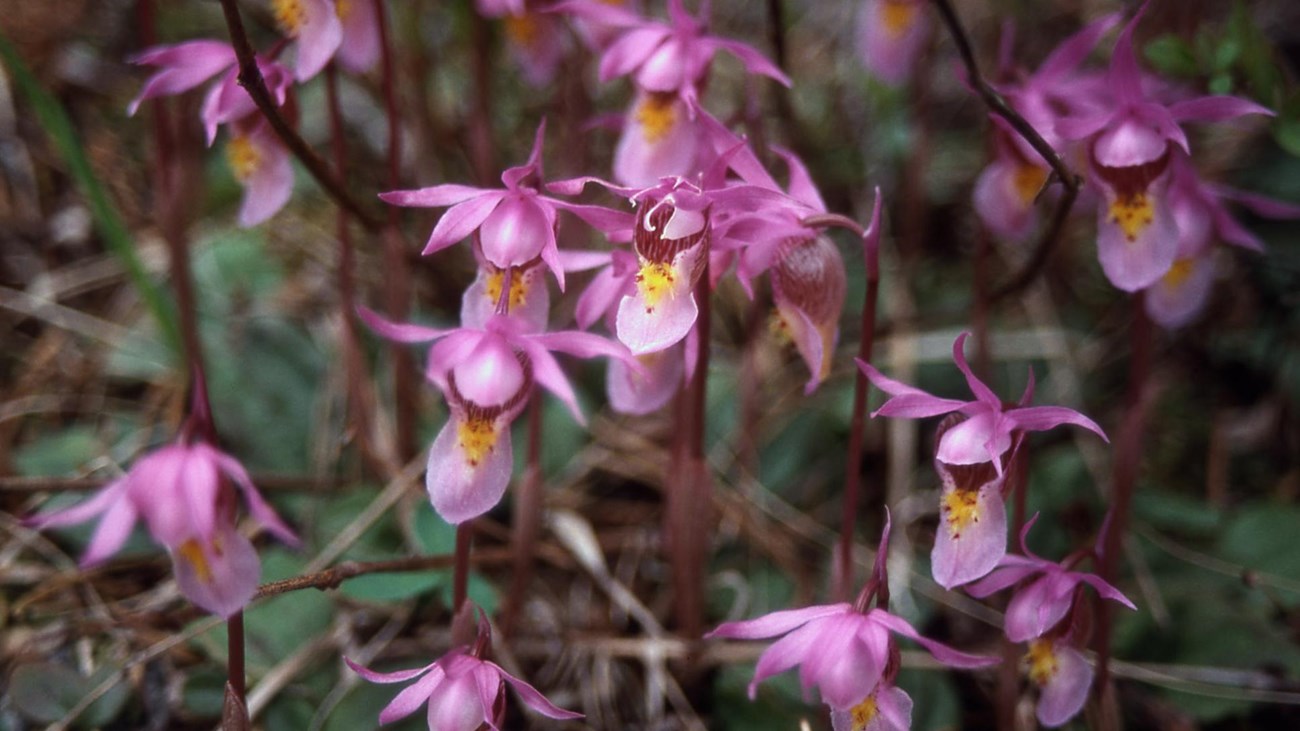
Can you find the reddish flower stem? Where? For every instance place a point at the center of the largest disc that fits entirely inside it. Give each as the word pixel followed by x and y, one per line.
pixel 526 524
pixel 857 426
pixel 250 77
pixel 1127 464
pixel 397 282
pixel 460 569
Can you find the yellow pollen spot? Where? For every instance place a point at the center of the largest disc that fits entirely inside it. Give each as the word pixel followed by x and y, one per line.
pixel 863 713
pixel 343 8
pixel 654 281
pixel 656 116
pixel 1132 214
pixel 960 509
pixel 242 157
pixel 1029 180
pixel 518 289
pixel 522 29
pixel 192 552
pixel 897 16
pixel 477 438
pixel 290 15
pixel 779 328
pixel 1178 273
pixel 1042 661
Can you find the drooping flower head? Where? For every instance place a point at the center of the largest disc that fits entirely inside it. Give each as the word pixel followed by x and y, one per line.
pixel 891 36
pixel 487 374
pixel 184 493
pixel 971 457
pixel 1130 140
pixel 463 690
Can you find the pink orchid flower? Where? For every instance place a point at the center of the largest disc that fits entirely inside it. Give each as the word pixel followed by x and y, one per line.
pixel 537 45
pixel 660 138
pixel 1041 604
pixel 514 226
pixel 359 48
pixel 891 35
pixel 971 457
pixel 183 492
pixel 1063 677
pixel 887 708
pixel 599 22
pixel 1130 142
pixel 674 57
pixel 316 29
pixel 463 691
pixel 262 166
pixel 527 298
pixel 839 649
pixel 987 431
pixel 635 391
pixel 184 66
pixel 487 375
pixel 1201 214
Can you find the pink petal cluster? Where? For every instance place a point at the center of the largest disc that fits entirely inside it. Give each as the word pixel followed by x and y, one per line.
pixel 462 691
pixel 183 492
pixel 972 536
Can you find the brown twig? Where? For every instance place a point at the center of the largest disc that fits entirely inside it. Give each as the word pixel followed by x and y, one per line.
pixel 331 578
pixel 250 77
pixel 1061 172
pixel 281 483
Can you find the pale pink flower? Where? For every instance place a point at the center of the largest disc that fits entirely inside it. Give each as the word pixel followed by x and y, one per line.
pixel 462 690
pixel 1063 677
pixel 315 27
pixel 487 375
pixel 359 48
pixel 183 492
pixel 888 708
pixel 1130 140
pixel 891 36
pixel 261 164
pixel 537 45
pixel 660 138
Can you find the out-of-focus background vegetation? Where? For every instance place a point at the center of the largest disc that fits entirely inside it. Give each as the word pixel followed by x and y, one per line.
pixel 87 383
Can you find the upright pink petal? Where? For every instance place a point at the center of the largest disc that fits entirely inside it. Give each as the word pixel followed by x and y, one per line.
pixel 977 387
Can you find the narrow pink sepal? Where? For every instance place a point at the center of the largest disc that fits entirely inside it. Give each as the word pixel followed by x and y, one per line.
pixel 532 698
pixel 101 501
pixel 400 332
pixel 261 510
pixel 1008 573
pixel 1041 418
pixel 437 196
pixel 1216 109
pixel 631 50
pixel 941 652
pixel 111 533
pixel 550 376
pixel 776 623
pixel 410 698
pixel 397 676
pixel 460 220
pixel 907 402
pixel 185 66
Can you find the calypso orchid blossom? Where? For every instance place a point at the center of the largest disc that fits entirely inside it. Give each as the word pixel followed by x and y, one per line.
pixel 359 48
pixel 487 375
pixel 891 35
pixel 845 650
pixel 261 164
pixel 463 691
pixel 316 29
pixel 184 493
pixel 971 457
pixel 1130 141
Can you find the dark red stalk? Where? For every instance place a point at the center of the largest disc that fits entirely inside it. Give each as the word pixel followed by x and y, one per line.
pixel 527 519
pixel 250 77
pixel 1127 464
pixel 358 407
pixel 397 279
pixel 460 570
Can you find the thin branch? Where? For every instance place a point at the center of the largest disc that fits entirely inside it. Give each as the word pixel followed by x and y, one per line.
pixel 1061 172
pixel 250 77
pixel 331 578
pixel 24 485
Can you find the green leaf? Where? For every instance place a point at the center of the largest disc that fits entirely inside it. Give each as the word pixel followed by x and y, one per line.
pixel 55 121
pixel 1172 56
pixel 392 587
pixel 1286 127
pixel 60 453
pixel 46 691
pixel 1262 537
pixel 1170 511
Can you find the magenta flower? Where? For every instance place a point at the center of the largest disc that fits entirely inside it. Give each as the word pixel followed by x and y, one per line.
pixel 1063 677
pixel 888 708
pixel 1130 141
pixel 1040 605
pixel 986 433
pixel 262 166
pixel 183 492
pixel 359 48
pixel 462 690
pixel 673 58
pixel 891 35
pixel 487 375
pixel 514 226
pixel 840 650
pixel 316 28
pixel 971 458
pixel 660 138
